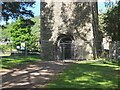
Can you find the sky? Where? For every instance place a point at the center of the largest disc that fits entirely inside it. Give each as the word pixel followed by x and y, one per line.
pixel 101 6
pixel 36 10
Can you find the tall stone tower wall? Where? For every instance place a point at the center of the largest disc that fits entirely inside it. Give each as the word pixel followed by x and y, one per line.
pixel 67 20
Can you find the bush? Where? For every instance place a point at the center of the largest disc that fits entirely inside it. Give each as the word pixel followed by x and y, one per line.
pixel 4 48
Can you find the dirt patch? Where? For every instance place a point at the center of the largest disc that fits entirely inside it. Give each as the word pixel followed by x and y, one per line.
pixel 32 76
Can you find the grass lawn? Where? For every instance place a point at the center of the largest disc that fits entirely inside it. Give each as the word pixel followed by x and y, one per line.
pixel 88 75
pixel 14 60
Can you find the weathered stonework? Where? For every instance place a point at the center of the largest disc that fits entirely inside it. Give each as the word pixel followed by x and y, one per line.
pixel 67 30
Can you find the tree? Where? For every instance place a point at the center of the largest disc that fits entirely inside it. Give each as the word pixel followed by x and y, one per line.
pixel 36 33
pixel 15 9
pixel 112 22
pixel 5 32
pixel 21 32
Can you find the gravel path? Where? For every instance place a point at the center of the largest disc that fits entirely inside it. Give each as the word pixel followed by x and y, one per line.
pixel 37 75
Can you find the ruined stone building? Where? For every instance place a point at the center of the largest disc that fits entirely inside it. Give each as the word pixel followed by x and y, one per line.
pixel 69 30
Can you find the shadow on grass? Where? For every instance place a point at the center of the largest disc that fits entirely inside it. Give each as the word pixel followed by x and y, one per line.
pixel 14 60
pixel 88 75
pixel 32 76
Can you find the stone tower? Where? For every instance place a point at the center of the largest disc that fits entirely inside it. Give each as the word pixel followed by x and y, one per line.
pixel 69 29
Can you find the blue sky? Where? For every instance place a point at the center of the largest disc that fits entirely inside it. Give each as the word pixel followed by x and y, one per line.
pixel 36 10
pixel 101 6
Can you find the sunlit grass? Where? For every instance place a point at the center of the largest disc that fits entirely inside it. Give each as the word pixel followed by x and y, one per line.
pixel 14 60
pixel 88 75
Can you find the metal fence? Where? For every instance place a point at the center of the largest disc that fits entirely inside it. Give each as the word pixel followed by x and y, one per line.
pixel 73 51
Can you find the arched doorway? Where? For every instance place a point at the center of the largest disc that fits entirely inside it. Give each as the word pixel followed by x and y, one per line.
pixel 65 46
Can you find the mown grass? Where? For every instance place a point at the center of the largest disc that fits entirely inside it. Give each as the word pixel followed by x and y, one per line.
pixel 14 60
pixel 88 75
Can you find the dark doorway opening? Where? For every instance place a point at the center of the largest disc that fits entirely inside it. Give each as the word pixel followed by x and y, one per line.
pixel 65 44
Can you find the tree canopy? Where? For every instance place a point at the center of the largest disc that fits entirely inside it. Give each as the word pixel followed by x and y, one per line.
pixel 112 22
pixel 21 32
pixel 15 9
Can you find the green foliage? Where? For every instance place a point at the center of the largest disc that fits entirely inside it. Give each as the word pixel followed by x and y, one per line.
pixel 34 29
pixel 36 32
pixel 101 24
pixel 5 32
pixel 21 32
pixel 0 33
pixel 112 22
pixel 5 48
